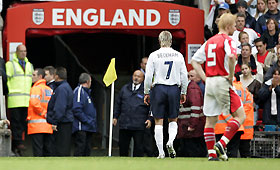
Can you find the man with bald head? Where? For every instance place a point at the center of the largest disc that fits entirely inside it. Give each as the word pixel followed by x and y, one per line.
pixel 196 78
pixel 132 115
pixel 19 80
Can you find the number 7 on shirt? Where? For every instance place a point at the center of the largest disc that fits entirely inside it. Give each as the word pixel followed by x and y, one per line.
pixel 170 63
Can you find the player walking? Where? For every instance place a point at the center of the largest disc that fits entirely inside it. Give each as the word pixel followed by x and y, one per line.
pixel 167 67
pixel 219 55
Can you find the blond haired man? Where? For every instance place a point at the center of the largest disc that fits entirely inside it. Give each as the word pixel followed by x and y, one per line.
pixel 165 72
pixel 219 54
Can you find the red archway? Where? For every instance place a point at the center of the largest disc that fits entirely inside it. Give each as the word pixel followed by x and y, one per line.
pixel 125 16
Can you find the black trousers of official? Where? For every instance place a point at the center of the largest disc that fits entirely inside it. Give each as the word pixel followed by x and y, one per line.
pixel 124 141
pixel 233 145
pixel 82 142
pixel 63 139
pixel 42 144
pixel 149 143
pixel 244 148
pixel 18 125
pixel 192 147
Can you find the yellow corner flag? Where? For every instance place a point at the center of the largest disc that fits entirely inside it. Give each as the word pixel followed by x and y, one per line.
pixel 110 75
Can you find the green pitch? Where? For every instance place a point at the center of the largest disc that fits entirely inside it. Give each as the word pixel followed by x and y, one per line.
pixel 117 163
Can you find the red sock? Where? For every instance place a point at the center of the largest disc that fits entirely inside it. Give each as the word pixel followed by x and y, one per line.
pixel 210 140
pixel 231 129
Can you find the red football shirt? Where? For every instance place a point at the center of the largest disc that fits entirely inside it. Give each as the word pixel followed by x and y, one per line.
pixel 215 53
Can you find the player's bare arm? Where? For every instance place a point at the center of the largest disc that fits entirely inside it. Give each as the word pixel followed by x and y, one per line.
pixel 231 64
pixel 183 98
pixel 147 99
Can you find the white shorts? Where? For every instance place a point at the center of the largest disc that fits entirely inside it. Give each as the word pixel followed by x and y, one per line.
pixel 220 97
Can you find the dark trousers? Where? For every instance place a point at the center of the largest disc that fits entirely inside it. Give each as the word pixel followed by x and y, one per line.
pixel 192 147
pixel 149 142
pixel 244 148
pixel 82 142
pixel 63 139
pixel 124 141
pixel 233 145
pixel 18 125
pixel 42 144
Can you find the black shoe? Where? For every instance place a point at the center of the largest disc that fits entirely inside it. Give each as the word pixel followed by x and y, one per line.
pixel 221 151
pixel 18 153
pixel 171 151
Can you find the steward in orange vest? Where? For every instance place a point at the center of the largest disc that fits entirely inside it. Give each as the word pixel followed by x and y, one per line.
pixel 233 145
pixel 38 128
pixel 247 100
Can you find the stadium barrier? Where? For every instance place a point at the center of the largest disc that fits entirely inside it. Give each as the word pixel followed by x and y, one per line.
pixel 5 142
pixel 265 144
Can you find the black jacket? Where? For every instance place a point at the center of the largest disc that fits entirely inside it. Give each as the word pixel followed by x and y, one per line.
pixel 271 41
pixel 265 98
pixel 130 109
pixel 250 22
pixel 60 105
pixel 83 110
pixel 261 23
pixel 52 85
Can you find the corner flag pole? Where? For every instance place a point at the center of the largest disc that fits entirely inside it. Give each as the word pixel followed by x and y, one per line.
pixel 109 78
pixel 111 119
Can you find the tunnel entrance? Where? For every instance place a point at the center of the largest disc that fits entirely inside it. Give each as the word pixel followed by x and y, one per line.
pixel 92 53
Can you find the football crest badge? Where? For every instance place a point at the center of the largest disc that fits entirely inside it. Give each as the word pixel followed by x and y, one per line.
pixel 38 16
pixel 174 17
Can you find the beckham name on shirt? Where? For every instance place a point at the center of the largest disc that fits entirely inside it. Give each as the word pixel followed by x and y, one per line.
pixel 163 55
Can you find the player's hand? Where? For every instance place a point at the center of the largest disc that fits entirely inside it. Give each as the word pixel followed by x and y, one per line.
pixel 230 79
pixel 7 122
pixel 183 98
pixel 148 124
pixel 190 129
pixel 115 121
pixel 147 99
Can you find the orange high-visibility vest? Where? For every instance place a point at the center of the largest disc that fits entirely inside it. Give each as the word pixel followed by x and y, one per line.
pixel 249 121
pixel 247 100
pixel 222 124
pixel 40 95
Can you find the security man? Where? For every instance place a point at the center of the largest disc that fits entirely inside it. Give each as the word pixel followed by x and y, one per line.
pixel 19 74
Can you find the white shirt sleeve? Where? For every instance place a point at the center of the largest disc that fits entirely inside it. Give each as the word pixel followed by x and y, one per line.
pixel 184 78
pixel 230 47
pixel 1 5
pixel 200 55
pixel 149 75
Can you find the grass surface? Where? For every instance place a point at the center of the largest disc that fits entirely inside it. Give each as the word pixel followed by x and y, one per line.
pixel 117 163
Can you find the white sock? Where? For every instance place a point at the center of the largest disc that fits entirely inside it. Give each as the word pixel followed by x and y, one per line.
pixel 159 138
pixel 225 139
pixel 172 131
